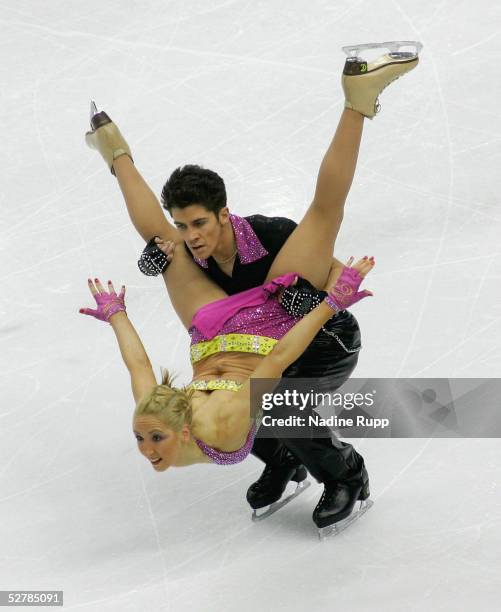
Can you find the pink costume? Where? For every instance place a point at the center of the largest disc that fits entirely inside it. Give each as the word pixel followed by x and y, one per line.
pixel 251 321
pixel 256 311
pixel 228 458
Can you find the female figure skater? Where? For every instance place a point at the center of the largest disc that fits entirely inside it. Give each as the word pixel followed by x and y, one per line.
pixel 211 419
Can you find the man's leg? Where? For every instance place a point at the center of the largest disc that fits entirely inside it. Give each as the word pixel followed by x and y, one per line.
pixel 331 359
pixel 281 466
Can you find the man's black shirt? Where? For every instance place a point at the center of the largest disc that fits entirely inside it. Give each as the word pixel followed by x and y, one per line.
pixel 272 233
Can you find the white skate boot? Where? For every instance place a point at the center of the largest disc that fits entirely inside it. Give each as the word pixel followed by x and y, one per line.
pixel 105 137
pixel 363 81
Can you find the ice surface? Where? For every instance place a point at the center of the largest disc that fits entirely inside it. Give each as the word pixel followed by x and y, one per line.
pixel 251 90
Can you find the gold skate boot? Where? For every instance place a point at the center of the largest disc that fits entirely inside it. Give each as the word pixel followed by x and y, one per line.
pixel 105 137
pixel 363 81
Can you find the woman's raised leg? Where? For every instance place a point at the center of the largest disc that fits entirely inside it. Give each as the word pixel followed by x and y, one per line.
pixel 143 206
pixel 308 250
pixel 189 288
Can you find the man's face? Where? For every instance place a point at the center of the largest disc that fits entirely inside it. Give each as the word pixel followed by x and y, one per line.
pixel 200 228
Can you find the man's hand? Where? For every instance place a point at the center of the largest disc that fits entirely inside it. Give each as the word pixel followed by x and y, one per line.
pixel 166 246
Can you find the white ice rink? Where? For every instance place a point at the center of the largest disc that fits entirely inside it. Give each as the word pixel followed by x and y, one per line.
pixel 252 90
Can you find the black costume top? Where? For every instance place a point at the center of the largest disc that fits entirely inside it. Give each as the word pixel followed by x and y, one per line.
pixel 270 232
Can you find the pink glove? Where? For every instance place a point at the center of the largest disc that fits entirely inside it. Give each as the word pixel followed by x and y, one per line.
pixel 108 304
pixel 345 292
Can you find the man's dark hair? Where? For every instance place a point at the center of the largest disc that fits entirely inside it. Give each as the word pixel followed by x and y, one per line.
pixel 192 184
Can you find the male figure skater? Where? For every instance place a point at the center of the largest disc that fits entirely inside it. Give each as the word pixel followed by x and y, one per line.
pixel 237 253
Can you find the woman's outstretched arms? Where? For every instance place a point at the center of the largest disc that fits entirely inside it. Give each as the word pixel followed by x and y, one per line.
pixel 111 309
pixel 134 355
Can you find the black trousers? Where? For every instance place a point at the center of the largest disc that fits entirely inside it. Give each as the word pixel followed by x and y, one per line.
pixel 331 357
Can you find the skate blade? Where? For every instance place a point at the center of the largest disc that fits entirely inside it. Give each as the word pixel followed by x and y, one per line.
pixel 93 109
pixel 336 528
pixel 301 487
pixel 352 51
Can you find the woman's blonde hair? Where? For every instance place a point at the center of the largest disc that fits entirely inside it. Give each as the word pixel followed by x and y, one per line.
pixel 169 404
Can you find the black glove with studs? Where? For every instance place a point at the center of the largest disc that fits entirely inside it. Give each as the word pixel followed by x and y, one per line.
pixel 153 261
pixel 301 298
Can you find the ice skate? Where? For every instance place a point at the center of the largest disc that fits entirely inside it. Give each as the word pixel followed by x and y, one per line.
pixel 337 509
pixel 265 495
pixel 364 81
pixel 105 137
pixel 336 528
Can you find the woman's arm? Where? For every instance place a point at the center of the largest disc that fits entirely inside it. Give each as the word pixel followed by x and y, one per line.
pixel 135 357
pixel 294 343
pixel 111 309
pixel 236 413
pixel 336 270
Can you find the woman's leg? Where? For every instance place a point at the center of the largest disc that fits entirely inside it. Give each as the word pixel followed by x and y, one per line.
pixel 308 250
pixel 144 208
pixel 189 288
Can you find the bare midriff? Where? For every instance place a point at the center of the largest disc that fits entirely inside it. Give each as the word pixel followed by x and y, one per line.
pixel 231 366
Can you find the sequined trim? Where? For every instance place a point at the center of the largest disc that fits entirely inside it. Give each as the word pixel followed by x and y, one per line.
pixel 225 457
pixel 216 384
pixel 230 343
pixel 249 246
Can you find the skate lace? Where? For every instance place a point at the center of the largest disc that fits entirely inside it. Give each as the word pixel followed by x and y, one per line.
pixel 265 477
pixel 328 491
pixel 377 105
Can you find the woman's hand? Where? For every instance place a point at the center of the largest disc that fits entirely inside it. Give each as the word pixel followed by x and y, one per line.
pixel 363 266
pixel 345 292
pixel 108 303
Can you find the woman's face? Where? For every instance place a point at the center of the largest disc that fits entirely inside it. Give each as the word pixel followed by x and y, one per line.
pixel 159 444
